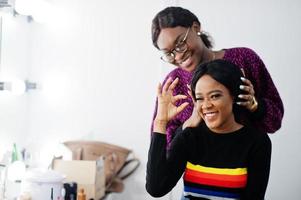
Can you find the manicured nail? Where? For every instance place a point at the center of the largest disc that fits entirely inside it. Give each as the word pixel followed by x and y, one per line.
pixel 238 103
pixel 241 87
pixel 240 96
pixel 242 78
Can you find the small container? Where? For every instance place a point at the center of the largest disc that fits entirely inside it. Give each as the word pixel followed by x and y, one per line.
pixel 81 195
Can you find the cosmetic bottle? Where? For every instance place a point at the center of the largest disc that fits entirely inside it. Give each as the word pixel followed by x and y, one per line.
pixel 81 194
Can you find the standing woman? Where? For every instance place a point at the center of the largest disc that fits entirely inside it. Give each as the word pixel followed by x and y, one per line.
pixel 178 34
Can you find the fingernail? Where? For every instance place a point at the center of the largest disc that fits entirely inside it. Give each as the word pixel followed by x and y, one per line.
pixel 238 103
pixel 241 87
pixel 242 78
pixel 240 96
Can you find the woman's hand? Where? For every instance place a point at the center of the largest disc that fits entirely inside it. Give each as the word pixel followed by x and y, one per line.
pixel 249 95
pixel 167 109
pixel 195 119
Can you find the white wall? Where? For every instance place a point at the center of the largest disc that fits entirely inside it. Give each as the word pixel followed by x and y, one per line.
pixel 14 65
pixel 97 71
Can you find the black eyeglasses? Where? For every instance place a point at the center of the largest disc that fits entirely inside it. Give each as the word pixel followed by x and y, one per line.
pixel 181 47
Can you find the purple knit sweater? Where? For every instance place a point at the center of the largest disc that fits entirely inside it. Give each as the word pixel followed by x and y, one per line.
pixel 270 105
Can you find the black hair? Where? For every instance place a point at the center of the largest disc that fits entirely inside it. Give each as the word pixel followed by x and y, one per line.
pixel 171 17
pixel 224 72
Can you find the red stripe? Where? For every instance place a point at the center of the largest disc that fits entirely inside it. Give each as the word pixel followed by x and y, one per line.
pixel 227 177
pixel 230 181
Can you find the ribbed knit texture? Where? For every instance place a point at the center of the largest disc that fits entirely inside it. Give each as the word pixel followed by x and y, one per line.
pixel 270 113
pixel 216 166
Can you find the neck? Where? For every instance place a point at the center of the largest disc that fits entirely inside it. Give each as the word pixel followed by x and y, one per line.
pixel 228 126
pixel 208 55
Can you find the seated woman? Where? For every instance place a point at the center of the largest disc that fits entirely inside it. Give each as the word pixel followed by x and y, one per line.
pixel 222 158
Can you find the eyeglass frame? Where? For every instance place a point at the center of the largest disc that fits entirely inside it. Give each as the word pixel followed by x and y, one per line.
pixel 173 52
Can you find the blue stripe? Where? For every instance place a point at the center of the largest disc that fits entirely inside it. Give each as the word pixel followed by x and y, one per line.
pixel 211 193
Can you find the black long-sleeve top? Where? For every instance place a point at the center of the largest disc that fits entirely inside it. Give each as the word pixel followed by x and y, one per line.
pixel 216 166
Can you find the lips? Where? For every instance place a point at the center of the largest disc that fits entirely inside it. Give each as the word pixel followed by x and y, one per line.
pixel 186 62
pixel 209 116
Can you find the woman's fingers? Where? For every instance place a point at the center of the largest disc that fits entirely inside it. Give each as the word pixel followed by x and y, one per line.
pixel 190 93
pixel 246 81
pixel 182 107
pixel 246 97
pixel 189 88
pixel 165 92
pixel 247 89
pixel 169 85
pixel 159 89
pixel 244 103
pixel 248 101
pixel 166 85
pixel 167 108
pixel 178 97
pixel 243 72
pixel 173 84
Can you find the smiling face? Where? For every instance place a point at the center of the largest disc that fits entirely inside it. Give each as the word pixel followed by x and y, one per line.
pixel 169 38
pixel 215 105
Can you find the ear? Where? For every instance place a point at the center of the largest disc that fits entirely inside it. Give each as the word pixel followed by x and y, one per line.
pixel 196 27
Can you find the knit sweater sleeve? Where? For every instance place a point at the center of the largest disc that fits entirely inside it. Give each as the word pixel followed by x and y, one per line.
pixel 266 92
pixel 164 169
pixel 269 114
pixel 258 169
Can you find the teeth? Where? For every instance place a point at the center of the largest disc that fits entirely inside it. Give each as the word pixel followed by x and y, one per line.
pixel 209 114
pixel 185 62
pixel 187 57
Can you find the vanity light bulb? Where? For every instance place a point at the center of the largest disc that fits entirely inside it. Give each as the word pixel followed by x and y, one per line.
pixel 18 87
pixel 16 171
pixel 24 7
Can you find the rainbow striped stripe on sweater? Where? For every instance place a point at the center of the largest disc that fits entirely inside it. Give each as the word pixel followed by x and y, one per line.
pixel 216 166
pixel 214 183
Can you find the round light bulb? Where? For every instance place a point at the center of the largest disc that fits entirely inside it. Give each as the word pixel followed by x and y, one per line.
pixel 24 7
pixel 16 171
pixel 18 87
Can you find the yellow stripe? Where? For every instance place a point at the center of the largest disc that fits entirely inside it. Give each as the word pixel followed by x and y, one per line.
pixel 212 170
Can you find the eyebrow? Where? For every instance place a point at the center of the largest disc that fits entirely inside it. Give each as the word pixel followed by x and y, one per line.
pixel 174 42
pixel 213 91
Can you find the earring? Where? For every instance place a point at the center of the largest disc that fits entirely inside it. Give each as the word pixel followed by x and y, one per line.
pixel 198 33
